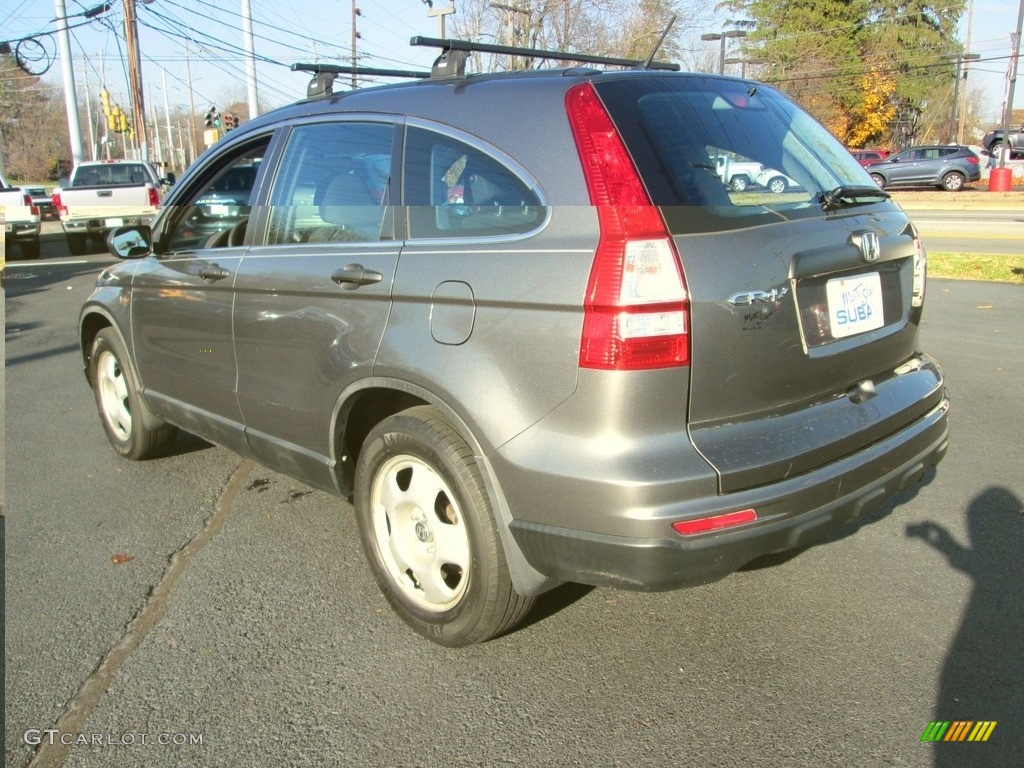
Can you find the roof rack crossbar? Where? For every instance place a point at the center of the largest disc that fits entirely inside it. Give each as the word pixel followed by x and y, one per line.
pixel 324 75
pixel 468 46
pixel 341 69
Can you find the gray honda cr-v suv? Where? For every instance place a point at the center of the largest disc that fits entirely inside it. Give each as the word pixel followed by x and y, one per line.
pixel 521 321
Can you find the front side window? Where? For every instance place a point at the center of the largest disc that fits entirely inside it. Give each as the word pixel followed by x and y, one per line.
pixel 455 189
pixel 332 184
pixel 216 215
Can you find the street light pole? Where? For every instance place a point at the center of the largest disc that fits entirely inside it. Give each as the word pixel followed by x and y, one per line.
pixel 723 36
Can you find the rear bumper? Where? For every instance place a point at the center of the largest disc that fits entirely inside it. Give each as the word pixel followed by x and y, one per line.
pixel 791 513
pixel 100 227
pixel 21 230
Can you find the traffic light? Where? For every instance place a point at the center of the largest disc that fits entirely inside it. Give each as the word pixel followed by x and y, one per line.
pixel 212 118
pixel 234 121
pixel 122 120
pixel 105 101
pixel 228 121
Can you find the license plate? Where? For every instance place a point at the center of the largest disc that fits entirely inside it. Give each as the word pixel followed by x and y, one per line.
pixel 855 304
pixel 114 222
pixel 219 210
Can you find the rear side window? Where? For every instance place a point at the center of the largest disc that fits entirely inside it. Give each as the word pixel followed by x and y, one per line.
pixel 455 189
pixel 332 185
pixel 721 154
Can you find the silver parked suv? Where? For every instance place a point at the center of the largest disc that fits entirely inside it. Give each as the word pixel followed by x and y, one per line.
pixel 523 324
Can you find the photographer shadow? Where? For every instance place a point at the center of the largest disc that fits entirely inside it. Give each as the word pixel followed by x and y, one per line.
pixel 983 675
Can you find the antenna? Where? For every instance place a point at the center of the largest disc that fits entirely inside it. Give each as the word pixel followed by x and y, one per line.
pixel 657 45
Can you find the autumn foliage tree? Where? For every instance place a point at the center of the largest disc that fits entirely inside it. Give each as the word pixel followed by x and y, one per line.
pixel 872 119
pixel 859 66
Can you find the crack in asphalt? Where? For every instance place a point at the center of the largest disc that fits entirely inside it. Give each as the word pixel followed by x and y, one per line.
pixel 52 752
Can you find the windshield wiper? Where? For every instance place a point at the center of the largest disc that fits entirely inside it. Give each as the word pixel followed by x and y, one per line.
pixel 846 194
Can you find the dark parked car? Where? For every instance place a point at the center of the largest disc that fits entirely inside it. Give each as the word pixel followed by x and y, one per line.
pixel 868 156
pixel 41 200
pixel 947 167
pixel 523 324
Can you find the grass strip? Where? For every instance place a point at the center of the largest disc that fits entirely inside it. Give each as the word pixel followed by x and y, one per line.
pixel 999 268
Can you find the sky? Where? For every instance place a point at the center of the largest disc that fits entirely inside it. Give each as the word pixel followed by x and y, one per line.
pixel 288 31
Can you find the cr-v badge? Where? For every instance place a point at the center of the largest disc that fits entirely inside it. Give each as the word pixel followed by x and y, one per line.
pixel 746 298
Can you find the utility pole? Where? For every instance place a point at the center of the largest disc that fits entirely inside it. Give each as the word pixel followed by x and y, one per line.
pixel 355 36
pixel 131 39
pixel 88 114
pixel 962 118
pixel 250 60
pixel 441 13
pixel 68 72
pixel 191 108
pixel 512 11
pixel 167 116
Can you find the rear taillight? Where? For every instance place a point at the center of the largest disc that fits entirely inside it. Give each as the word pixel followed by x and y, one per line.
pixel 27 200
pixel 920 273
pixel 154 197
pixel 58 206
pixel 973 159
pixel 636 309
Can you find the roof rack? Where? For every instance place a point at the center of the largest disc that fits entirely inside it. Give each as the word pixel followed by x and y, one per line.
pixel 452 62
pixel 324 75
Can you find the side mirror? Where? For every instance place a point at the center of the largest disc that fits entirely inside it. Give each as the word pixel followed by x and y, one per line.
pixel 63 182
pixel 170 179
pixel 130 242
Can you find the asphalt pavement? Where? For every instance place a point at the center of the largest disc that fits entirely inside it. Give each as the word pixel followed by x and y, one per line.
pixel 201 610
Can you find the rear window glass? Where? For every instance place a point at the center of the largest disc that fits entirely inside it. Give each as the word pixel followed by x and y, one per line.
pixel 721 154
pixel 113 174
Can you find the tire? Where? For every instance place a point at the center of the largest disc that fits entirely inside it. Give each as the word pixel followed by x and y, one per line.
pixel 429 532
pixel 879 180
pixel 739 183
pixel 953 181
pixel 78 245
pixel 995 149
pixel 29 248
pixel 132 429
pixel 776 185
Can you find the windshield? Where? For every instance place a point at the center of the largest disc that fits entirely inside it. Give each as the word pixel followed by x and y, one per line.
pixel 720 154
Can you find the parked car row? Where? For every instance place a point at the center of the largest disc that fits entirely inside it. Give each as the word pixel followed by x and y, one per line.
pixel 946 166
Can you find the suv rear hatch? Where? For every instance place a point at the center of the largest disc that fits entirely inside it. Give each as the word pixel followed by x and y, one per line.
pixel 804 318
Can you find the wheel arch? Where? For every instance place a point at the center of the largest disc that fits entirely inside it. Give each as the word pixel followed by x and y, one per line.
pixel 94 319
pixel 365 404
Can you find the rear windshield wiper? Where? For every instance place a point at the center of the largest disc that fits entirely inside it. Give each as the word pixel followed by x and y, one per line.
pixel 847 194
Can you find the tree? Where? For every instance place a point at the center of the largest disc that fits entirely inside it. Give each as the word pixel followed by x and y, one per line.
pixel 829 56
pixel 33 128
pixel 873 117
pixel 600 27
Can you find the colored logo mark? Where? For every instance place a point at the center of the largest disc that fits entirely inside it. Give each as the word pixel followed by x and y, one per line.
pixel 958 730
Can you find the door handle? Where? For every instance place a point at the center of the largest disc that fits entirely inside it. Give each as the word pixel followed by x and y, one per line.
pixel 352 276
pixel 213 272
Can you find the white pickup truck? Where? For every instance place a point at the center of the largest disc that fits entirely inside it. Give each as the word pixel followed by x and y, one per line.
pixel 105 194
pixel 737 174
pixel 21 220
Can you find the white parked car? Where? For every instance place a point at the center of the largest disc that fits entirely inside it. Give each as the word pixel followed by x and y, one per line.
pixel 774 181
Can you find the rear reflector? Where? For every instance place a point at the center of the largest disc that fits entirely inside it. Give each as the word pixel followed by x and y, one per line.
pixel 705 524
pixel 636 309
